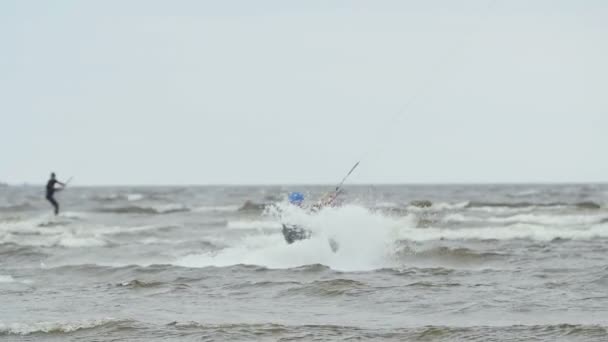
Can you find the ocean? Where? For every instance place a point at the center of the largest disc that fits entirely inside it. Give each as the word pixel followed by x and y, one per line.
pixel 209 263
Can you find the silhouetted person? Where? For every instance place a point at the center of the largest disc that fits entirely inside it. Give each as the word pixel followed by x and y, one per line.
pixel 50 191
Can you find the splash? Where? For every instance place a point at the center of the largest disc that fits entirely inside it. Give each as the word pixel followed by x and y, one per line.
pixel 365 239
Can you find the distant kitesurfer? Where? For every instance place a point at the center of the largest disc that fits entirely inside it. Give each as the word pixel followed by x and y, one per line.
pixel 50 191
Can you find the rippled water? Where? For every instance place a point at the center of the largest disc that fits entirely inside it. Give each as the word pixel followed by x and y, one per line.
pixel 475 263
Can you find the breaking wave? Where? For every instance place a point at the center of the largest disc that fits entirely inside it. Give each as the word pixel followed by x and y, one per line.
pixel 55 327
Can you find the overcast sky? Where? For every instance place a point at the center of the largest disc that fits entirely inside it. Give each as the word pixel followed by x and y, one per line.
pixel 242 92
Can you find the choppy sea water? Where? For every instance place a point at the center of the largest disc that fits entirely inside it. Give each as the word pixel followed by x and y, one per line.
pixel 419 263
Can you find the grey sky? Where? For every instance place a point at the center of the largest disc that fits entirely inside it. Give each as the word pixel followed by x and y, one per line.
pixel 204 92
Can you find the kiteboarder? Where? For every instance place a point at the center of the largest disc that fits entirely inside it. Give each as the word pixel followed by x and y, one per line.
pixel 50 191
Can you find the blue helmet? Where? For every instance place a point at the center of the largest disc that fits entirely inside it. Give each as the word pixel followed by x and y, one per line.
pixel 296 198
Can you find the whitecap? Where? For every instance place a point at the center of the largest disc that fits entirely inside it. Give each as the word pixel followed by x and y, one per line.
pixel 51 327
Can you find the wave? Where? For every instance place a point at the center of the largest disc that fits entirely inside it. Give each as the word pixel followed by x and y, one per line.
pixel 421 203
pixel 525 193
pixel 432 284
pixel 261 284
pixel 328 288
pixel 131 197
pixel 474 204
pixel 134 197
pixel 68 240
pixel 386 205
pixel 319 332
pixel 451 206
pixel 252 206
pixel 426 205
pixel 140 284
pixel 588 205
pixel 515 231
pixel 311 268
pixel 519 205
pixel 134 209
pixel 20 254
pixel 425 271
pixel 57 327
pixel 17 208
pixel 63 219
pixel 30 226
pixel 453 254
pixel 115 329
pixel 75 241
pixel 562 220
pixel 219 209
pixel 37 233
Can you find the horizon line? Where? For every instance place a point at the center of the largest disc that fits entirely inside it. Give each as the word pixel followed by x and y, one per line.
pixel 321 184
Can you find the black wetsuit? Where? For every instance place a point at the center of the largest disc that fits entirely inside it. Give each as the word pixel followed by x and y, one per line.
pixel 50 191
